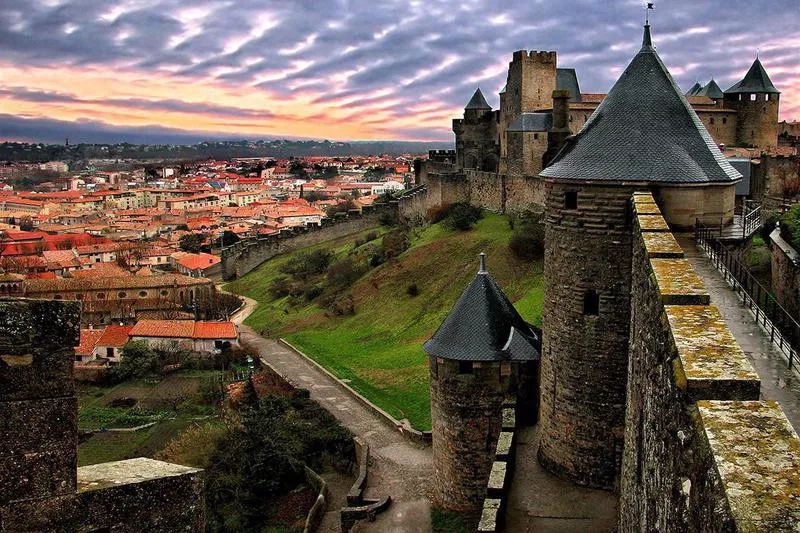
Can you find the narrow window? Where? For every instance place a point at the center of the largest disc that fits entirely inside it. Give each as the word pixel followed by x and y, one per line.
pixel 724 120
pixel 465 367
pixel 712 120
pixel 591 303
pixel 753 97
pixel 535 135
pixel 571 200
pixel 766 97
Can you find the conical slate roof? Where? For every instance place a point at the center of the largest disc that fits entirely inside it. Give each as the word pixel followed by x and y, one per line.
pixel 711 90
pixel 695 89
pixel 478 101
pixel 484 326
pixel 755 81
pixel 643 131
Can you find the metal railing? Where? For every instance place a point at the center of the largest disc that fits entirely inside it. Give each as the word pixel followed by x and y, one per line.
pixel 751 219
pixel 782 328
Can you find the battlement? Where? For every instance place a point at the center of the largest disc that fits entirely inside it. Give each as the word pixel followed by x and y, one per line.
pixel 702 451
pixel 536 56
pixel 41 487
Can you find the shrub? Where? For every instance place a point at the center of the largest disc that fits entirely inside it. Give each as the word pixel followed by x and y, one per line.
pixel 283 286
pixel 340 305
pixel 258 462
pixel 394 243
pixel 790 225
pixel 438 213
pixel 138 361
pixel 312 292
pixel 388 217
pixel 527 242
pixel 412 290
pixel 462 216
pixel 344 273
pixel 308 264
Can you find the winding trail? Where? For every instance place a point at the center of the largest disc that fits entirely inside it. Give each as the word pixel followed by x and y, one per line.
pixel 398 468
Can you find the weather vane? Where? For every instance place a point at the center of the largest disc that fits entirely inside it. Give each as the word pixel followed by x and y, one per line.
pixel 650 5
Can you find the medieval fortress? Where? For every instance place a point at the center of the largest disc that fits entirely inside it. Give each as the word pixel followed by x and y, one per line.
pixel 636 383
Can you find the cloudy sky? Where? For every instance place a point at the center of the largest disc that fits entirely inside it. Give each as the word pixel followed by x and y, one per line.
pixel 181 70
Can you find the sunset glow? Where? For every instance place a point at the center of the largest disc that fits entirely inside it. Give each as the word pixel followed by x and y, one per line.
pixel 280 69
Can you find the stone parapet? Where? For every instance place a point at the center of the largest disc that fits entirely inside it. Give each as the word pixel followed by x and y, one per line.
pixel 702 452
pixel 41 488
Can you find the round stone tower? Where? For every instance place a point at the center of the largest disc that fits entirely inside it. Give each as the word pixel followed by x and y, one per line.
pixel 756 101
pixel 482 352
pixel 644 135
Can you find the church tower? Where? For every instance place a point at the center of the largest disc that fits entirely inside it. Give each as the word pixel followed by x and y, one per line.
pixel 643 136
pixel 756 101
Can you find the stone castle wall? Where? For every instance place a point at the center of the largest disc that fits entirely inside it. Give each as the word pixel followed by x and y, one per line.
pixel 785 266
pixel 246 255
pixel 720 124
pixel 756 120
pixel 496 192
pixel 41 487
pixel 702 453
pixel 584 354
pixel 466 415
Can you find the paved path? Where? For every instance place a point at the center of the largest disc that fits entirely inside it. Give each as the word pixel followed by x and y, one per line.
pixel 398 468
pixel 777 381
pixel 540 502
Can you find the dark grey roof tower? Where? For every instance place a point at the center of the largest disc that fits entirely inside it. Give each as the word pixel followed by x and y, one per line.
pixel 483 325
pixel 695 89
pixel 482 352
pixel 755 81
pixel 757 104
pixel 711 90
pixel 643 131
pixel 478 101
pixel 643 135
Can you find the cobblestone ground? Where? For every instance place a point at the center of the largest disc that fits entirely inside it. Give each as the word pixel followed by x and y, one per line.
pixel 398 468
pixel 777 381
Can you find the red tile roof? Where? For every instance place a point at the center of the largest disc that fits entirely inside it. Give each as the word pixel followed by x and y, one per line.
pixel 199 261
pixel 115 336
pixel 89 338
pixel 215 330
pixel 182 329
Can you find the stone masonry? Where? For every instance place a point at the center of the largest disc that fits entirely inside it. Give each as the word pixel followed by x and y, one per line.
pixel 702 453
pixel 41 488
pixel 584 355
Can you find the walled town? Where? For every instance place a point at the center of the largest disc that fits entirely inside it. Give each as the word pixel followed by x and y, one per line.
pixel 585 316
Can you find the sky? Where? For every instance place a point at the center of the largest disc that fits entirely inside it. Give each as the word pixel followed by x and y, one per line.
pixel 182 71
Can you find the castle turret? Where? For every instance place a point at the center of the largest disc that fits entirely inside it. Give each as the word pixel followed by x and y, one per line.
pixel 756 101
pixel 476 135
pixel 482 352
pixel 643 135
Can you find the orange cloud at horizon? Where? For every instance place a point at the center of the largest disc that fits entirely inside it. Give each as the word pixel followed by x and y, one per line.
pixel 99 94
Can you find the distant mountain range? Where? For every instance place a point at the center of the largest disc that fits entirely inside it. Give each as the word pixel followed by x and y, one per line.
pixel 279 148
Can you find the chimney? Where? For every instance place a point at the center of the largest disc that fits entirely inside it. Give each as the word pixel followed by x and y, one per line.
pixel 559 131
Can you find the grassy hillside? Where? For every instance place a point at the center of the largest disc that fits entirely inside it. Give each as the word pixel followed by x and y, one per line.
pixel 379 348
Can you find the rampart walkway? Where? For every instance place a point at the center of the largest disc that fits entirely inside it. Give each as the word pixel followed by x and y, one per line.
pixel 777 381
pixel 398 468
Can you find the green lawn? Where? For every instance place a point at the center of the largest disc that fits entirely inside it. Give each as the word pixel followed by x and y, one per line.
pixel 379 349
pixel 173 403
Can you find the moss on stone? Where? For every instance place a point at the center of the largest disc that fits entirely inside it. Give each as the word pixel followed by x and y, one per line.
pixel 706 346
pixel 757 454
pixel 647 209
pixel 678 283
pixel 661 245
pixel 655 222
